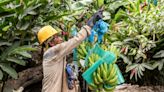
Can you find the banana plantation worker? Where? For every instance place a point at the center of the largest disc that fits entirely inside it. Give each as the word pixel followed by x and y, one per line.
pixel 55 51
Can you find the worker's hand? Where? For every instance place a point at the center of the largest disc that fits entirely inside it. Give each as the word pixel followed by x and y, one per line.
pixel 98 15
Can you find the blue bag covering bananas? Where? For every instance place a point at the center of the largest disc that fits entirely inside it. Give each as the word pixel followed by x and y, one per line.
pixel 99 29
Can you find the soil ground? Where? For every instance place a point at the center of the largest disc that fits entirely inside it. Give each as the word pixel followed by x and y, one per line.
pixel 120 88
pixel 137 88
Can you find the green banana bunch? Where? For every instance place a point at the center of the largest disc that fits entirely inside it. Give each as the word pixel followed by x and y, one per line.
pixel 82 51
pixel 104 47
pixel 111 49
pixel 92 59
pixel 105 78
pixel 114 50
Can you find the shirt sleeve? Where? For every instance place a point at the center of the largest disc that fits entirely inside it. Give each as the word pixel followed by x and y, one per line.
pixel 65 48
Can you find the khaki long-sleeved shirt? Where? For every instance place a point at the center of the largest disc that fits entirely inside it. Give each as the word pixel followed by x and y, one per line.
pixel 54 62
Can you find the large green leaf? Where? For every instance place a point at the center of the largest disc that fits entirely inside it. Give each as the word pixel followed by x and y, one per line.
pixel 4 2
pixel 5 43
pixel 125 59
pixel 141 69
pixel 17 61
pixel 148 66
pixel 6 28
pixel 115 5
pixel 130 67
pixel 6 14
pixel 9 70
pixel 106 15
pixel 25 54
pixel 1 75
pixel 28 10
pixel 119 15
pixel 21 25
pixel 56 17
pixel 100 2
pixel 7 51
pixel 160 66
pixel 136 73
pixel 57 2
pixel 159 54
pixel 23 49
pixel 132 5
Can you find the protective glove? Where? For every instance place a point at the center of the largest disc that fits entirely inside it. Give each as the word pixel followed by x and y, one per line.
pixel 70 77
pixel 98 15
pixel 92 21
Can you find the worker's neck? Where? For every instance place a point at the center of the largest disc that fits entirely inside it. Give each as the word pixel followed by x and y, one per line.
pixel 46 47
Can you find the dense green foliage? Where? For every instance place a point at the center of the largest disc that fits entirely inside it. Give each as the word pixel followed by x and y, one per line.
pixel 136 28
pixel 140 36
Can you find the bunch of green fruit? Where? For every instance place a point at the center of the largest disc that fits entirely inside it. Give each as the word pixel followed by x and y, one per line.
pixel 105 77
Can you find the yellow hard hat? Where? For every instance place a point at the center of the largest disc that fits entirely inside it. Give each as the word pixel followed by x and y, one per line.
pixel 45 33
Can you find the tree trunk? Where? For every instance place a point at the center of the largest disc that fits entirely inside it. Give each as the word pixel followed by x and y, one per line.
pixel 25 78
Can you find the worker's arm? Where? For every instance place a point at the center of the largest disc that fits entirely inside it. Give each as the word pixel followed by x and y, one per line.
pixel 75 41
pixel 65 48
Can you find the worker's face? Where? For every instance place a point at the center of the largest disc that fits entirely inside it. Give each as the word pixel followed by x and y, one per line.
pixel 57 39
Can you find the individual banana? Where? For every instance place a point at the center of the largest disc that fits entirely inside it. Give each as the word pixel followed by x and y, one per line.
pixel 95 78
pixel 95 57
pixel 100 86
pixel 109 89
pixel 81 57
pixel 83 49
pixel 90 60
pixel 99 78
pixel 90 87
pixel 102 69
pixel 110 77
pixel 89 64
pixel 93 86
pixel 80 51
pixel 111 70
pixel 105 71
pixel 105 67
pixel 113 82
pixel 98 70
pixel 104 75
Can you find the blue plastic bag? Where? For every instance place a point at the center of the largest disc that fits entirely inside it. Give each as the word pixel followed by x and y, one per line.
pixel 99 29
